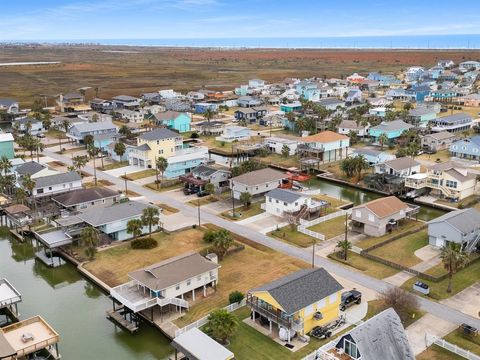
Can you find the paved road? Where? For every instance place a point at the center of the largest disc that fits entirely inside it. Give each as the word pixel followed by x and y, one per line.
pixel 439 310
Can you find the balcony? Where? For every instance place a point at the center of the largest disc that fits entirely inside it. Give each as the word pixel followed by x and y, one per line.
pixel 417 181
pixel 274 315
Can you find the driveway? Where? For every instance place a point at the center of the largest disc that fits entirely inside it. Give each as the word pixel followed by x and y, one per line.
pixel 467 301
pixel 427 324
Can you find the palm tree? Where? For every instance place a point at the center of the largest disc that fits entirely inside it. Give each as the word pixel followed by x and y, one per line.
pixel 221 242
pixel 20 196
pixel 46 122
pixel 5 165
pixel 65 126
pixel 383 139
pixel 134 227
pixel 119 149
pixel 209 114
pixel 222 325
pixel 40 148
pixel 29 184
pixel 344 245
pixel 150 218
pixel 453 259
pixel 93 151
pixel 360 164
pixel 161 165
pixel 90 238
pixel 79 162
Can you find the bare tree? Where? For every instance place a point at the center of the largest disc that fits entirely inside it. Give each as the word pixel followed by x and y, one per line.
pixel 404 303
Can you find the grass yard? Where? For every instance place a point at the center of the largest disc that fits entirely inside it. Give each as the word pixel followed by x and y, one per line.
pixel 112 265
pixel 99 183
pixel 139 174
pixel 209 199
pixel 334 202
pixel 278 159
pixel 242 212
pixel 167 209
pixel 114 165
pixel 211 143
pixel 242 271
pixel 377 306
pixel 436 352
pixel 443 155
pixel 330 228
pixel 402 251
pixel 72 150
pixel 153 186
pixel 461 280
pixel 406 226
pixel 366 266
pixel 55 134
pixel 455 337
pixel 292 236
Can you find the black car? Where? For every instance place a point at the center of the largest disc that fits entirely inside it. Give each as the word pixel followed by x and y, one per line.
pixel 187 191
pixel 202 193
pixel 349 298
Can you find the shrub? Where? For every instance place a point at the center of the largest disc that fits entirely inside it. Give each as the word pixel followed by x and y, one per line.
pixel 209 236
pixel 194 136
pixel 144 243
pixel 235 297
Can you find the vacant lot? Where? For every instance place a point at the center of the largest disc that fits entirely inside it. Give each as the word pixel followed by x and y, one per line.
pixel 404 227
pixel 242 212
pixel 330 228
pixel 366 266
pixel 140 174
pixel 293 236
pixel 150 69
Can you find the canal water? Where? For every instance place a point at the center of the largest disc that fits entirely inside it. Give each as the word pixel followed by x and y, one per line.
pixel 75 308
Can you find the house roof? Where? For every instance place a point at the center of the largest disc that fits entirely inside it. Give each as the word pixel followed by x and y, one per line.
pixel 401 163
pixel 143 147
pixel 199 345
pixel 350 124
pixel 329 101
pixel 284 195
pixel 16 209
pixel 60 178
pixel 301 289
pixel 368 152
pixel 452 119
pixel 72 95
pixel 29 168
pixel 93 126
pixel 420 111
pixel 159 134
pixel 386 206
pixel 173 271
pixel 392 126
pixel 382 337
pixel 125 98
pixel 7 102
pixel 6 137
pixel 168 115
pixel 465 220
pixel 104 215
pixel 205 170
pixel 259 177
pixel 6 350
pixel 324 137
pixel 84 195
pixel 442 135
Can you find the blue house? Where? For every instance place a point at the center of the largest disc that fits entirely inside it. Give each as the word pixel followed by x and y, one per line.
pixel 295 106
pixel 248 101
pixel 419 92
pixel 307 90
pixel 443 95
pixel 421 116
pixel 373 157
pixel 466 148
pixel 201 108
pixel 6 145
pixel 383 79
pixel 185 160
pixel 174 120
pixel 102 141
pixel 393 129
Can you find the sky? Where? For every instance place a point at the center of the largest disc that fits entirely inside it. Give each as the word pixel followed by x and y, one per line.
pixel 170 19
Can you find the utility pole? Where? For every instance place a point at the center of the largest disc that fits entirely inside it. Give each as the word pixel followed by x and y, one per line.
pixel 233 203
pixel 313 253
pixel 198 207
pixel 125 178
pixel 346 226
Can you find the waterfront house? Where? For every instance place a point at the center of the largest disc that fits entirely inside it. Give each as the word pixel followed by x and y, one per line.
pixel 126 102
pixel 204 174
pixel 326 146
pixel 194 344
pixel 18 215
pixel 380 337
pixel 105 128
pixel 174 120
pixel 202 107
pixel 276 144
pixel 46 186
pixel 393 129
pixel 402 167
pixel 377 217
pixel 81 199
pixel 9 106
pixel 234 133
pixel 437 141
pixel 331 103
pixel 281 202
pixel 421 116
pixel 468 148
pixel 6 145
pixel 373 157
pixel 30 125
pixel 9 300
pixel 174 281
pixel 297 302
pixel 250 114
pixel 459 227
pixel 248 101
pixel 291 107
pixel 256 182
pixel 450 180
pixel 452 123
pixel 346 126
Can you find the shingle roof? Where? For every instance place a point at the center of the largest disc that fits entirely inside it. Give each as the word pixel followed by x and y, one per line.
pixel 350 124
pixel 29 168
pixel 402 163
pixel 167 115
pixel 55 179
pixel 452 119
pixel 101 216
pixel 172 271
pixel 466 220
pixel 301 289
pixel 420 111
pixel 159 134
pixel 143 147
pixel 329 101
pixel 284 195
pixel 392 126
pixel 125 98
pixel 442 135
pixel 84 195
pixel 382 337
pixel 259 177
pixel 386 206
pixel 324 137
pixel 93 126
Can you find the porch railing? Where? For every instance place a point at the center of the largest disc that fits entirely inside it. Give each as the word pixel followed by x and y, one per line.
pixel 295 324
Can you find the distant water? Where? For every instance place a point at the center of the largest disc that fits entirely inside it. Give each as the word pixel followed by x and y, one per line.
pixel 469 41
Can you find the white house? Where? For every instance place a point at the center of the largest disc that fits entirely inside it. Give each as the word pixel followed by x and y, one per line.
pixel 132 116
pixel 281 202
pixel 234 133
pixel 56 184
pixel 350 125
pixel 327 146
pixel 276 144
pixel 402 167
pixel 9 106
pixel 256 182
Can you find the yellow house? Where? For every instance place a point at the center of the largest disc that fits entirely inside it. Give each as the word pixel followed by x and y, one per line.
pixel 160 142
pixel 299 301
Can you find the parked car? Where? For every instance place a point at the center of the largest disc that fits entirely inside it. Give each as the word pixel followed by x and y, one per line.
pixel 349 298
pixel 202 193
pixel 40 135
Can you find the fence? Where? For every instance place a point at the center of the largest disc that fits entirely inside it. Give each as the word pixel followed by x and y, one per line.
pixel 203 321
pixel 306 224
pixel 322 353
pixel 432 339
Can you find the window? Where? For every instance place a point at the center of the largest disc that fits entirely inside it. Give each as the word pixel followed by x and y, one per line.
pixel 321 304
pixel 308 310
pixel 371 217
pixel 49 188
pixel 358 213
pixel 269 199
pixel 284 203
pixel 276 201
pixel 350 348
pixel 177 287
pixel 189 282
pixel 199 278
pixel 40 191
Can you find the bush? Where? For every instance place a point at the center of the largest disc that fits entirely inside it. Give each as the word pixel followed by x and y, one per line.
pixel 194 136
pixel 209 236
pixel 144 243
pixel 235 297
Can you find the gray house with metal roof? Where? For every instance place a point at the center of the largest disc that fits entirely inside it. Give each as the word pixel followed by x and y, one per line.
pixel 78 131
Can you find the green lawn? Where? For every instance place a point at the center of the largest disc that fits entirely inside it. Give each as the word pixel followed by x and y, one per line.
pixel 278 159
pixel 242 212
pixel 114 165
pixel 249 343
pixel 455 337
pixel 330 228
pixel 407 225
pixel 461 280
pixel 165 187
pixel 292 236
pixel 203 200
pixel 436 352
pixel 140 174
pixel 366 266
pixel 334 202
pixel 402 251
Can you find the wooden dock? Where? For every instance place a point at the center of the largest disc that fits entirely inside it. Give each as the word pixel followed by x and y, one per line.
pixel 118 318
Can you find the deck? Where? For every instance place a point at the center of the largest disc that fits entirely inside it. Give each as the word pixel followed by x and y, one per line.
pixel 52 261
pixel 118 318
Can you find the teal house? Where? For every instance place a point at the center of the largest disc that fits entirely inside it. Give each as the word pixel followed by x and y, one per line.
pixel 296 106
pixel 174 120
pixel 393 129
pixel 6 145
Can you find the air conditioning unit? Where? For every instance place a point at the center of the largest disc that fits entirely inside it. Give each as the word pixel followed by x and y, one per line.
pixel 318 316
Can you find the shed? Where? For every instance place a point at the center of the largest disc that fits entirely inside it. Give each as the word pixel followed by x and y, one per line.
pixel 196 345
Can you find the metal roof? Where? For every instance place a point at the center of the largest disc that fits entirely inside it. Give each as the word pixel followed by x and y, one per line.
pixel 106 215
pixel 29 168
pixel 55 179
pixel 84 195
pixel 159 134
pixel 199 346
pixel 465 220
pixel 284 195
pixel 259 177
pixel 93 126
